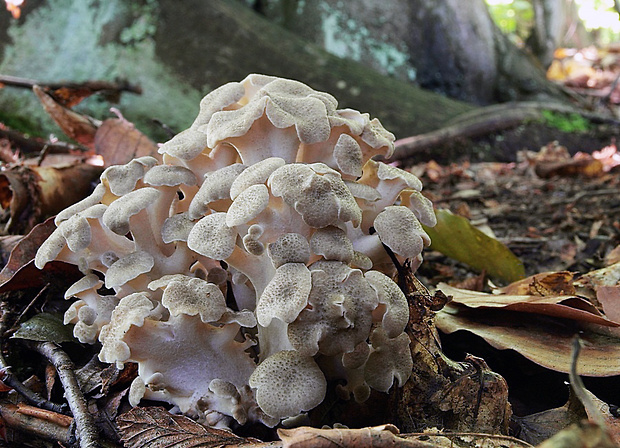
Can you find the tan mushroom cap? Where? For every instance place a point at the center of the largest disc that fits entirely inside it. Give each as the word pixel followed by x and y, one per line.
pixel 389 359
pixel 176 228
pixel 339 315
pixel 401 231
pixel 396 315
pixel 257 173
pixel 169 175
pixel 321 199
pixel 286 295
pixel 348 155
pixel 332 243
pixel 289 248
pixel 193 296
pixel 421 206
pixel 186 145
pixel 288 383
pixel 94 198
pixel 131 310
pixel 121 179
pixel 116 216
pixel 128 268
pixel 247 205
pixel 88 282
pixel 215 186
pixel 212 238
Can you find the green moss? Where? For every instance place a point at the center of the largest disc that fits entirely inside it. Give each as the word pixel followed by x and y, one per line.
pixel 80 40
pixel 569 123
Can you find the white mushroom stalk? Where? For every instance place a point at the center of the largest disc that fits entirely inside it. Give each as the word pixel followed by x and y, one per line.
pixel 257 246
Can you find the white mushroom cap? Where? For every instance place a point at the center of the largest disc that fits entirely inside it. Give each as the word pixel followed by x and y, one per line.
pixel 247 205
pixel 212 238
pixel 117 215
pixel 257 173
pixel 288 383
pixel 169 175
pixel 127 268
pixel 332 243
pixel 389 359
pixel 215 186
pixel 396 315
pixel 121 179
pixel 286 295
pixel 289 248
pixel 217 100
pixel 401 231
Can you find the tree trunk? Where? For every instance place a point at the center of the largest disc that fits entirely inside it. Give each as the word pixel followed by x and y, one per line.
pixel 448 46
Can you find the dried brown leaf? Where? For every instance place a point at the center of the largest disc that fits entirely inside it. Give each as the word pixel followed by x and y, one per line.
pixel 154 427
pixel 118 141
pixel 568 307
pixel 543 340
pixel 80 128
pixel 375 437
pixel 542 284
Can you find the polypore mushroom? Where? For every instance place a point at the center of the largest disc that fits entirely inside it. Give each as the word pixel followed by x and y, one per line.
pixel 242 270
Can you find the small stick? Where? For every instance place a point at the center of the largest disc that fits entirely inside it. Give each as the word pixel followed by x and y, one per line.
pixel 84 422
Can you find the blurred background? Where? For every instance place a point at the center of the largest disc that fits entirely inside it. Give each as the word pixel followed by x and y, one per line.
pixel 416 64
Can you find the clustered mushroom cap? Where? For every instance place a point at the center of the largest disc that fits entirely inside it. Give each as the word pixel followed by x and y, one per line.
pixel 252 250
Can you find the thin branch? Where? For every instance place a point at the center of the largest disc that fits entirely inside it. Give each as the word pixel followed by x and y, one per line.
pixel 84 422
pixel 94 86
pixel 30 145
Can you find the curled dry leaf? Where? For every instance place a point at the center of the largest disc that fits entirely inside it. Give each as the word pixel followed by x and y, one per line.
pixel 29 194
pixel 80 128
pixel 568 307
pixel 375 437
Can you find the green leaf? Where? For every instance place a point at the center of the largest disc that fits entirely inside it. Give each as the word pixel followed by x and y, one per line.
pixel 455 237
pixel 45 327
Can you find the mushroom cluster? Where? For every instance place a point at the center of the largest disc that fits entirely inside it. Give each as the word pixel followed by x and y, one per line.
pixel 248 267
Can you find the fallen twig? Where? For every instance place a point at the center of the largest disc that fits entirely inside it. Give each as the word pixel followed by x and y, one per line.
pixel 31 145
pixel 105 87
pixel 85 424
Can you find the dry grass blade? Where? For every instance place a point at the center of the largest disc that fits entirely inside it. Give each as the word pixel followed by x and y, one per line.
pixel 155 427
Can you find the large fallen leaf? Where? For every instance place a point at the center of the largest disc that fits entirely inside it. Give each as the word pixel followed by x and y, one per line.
pixel 568 307
pixel 32 193
pixel 544 340
pixel 455 237
pixel 154 427
pixel 118 141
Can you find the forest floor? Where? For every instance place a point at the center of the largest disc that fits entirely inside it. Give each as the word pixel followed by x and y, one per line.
pixel 554 210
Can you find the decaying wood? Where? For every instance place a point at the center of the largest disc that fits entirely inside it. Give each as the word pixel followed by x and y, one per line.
pixel 36 422
pixel 28 194
pixel 456 396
